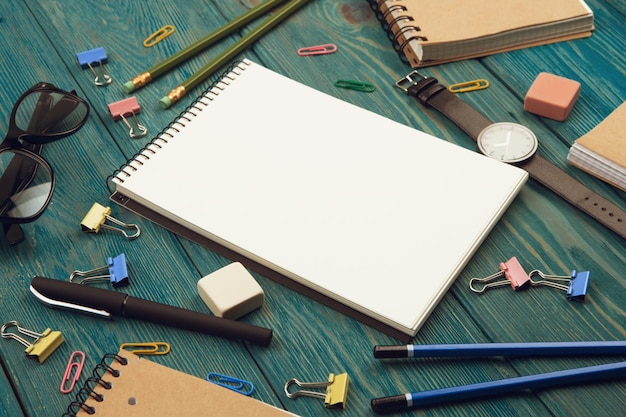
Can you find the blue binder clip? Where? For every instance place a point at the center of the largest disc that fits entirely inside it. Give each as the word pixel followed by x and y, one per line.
pixel 575 289
pixel 117 273
pixel 91 58
pixel 238 385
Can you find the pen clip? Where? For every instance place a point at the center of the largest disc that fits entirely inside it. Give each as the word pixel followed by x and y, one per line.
pixel 68 306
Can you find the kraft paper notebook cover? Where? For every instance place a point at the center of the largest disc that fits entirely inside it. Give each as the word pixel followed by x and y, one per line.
pixel 367 215
pixel 428 32
pixel 148 389
pixel 602 150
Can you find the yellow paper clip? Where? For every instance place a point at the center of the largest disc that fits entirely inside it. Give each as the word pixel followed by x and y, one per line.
pixel 45 343
pixel 153 348
pixel 336 390
pixel 158 36
pixel 468 86
pixel 98 215
pixel 355 85
pixel 72 372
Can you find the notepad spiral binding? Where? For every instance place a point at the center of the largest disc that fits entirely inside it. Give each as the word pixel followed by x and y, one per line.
pixel 401 30
pixel 97 379
pixel 181 121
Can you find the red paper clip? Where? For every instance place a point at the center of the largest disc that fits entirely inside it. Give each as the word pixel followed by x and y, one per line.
pixel 72 371
pixel 327 48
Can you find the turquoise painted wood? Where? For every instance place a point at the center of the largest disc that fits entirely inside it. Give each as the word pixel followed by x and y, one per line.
pixel 39 40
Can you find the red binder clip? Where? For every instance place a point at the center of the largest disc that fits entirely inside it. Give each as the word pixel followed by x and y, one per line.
pixel 127 108
pixel 513 273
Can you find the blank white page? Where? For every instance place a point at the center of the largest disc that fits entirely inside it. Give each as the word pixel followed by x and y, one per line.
pixel 377 215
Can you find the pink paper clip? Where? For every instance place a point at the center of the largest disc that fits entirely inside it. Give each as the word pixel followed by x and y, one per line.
pixel 327 48
pixel 514 275
pixel 128 108
pixel 72 371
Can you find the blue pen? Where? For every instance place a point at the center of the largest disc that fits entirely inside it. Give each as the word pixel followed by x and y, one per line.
pixel 501 349
pixel 407 401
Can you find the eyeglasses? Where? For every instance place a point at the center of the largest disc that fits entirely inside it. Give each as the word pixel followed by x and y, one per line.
pixel 44 113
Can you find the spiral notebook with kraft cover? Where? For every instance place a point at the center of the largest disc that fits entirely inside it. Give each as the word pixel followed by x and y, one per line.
pixel 362 213
pixel 125 384
pixel 430 32
pixel 601 152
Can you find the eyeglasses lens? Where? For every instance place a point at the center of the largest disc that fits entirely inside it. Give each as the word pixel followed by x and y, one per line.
pixel 49 113
pixel 25 185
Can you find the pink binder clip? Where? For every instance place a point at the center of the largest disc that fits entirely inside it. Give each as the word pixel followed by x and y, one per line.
pixel 128 108
pixel 72 371
pixel 514 275
pixel 327 48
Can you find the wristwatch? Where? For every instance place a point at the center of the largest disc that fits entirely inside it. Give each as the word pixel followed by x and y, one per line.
pixel 516 144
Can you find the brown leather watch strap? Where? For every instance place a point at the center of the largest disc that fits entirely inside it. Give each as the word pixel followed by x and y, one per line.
pixel 577 194
pixel 429 92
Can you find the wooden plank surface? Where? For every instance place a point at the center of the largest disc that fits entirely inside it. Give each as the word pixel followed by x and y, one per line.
pixel 39 40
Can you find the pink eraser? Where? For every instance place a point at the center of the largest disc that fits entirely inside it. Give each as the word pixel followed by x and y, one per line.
pixel 552 96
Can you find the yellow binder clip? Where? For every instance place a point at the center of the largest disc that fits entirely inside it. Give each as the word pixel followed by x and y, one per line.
pixel 45 343
pixel 466 86
pixel 148 348
pixel 98 215
pixel 336 390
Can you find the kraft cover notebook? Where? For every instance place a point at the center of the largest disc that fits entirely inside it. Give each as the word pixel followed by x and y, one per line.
pixel 602 151
pixel 365 214
pixel 147 389
pixel 427 32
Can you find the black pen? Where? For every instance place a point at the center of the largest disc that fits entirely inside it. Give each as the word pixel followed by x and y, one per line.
pixel 106 303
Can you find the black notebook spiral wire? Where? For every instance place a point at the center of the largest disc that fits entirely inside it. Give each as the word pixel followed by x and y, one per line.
pixel 403 28
pixel 100 377
pixel 178 123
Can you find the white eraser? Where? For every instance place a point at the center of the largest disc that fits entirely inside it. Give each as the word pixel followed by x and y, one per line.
pixel 231 292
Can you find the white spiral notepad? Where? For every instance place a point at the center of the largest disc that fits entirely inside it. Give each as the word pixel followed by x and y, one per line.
pixel 367 215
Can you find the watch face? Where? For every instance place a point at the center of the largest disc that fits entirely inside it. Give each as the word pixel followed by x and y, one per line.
pixel 507 142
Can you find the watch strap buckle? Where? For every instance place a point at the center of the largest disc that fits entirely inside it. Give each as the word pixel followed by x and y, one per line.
pixel 413 78
pixel 420 86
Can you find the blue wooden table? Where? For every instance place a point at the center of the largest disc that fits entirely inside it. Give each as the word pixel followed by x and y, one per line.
pixel 39 40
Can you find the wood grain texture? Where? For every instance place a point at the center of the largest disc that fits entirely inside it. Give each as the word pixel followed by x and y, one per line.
pixel 39 40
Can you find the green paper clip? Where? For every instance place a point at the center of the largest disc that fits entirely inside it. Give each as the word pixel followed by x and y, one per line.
pixel 44 345
pixel 355 85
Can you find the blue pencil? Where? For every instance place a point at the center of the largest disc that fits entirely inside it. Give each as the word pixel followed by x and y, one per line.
pixel 502 349
pixel 407 401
